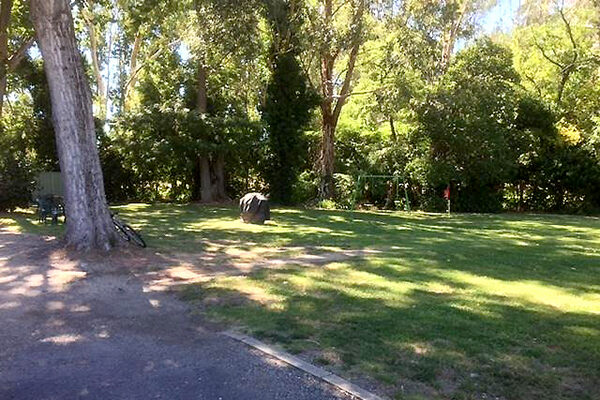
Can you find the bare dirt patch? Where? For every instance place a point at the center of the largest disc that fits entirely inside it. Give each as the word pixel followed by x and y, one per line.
pixel 161 271
pixel 169 270
pixel 85 323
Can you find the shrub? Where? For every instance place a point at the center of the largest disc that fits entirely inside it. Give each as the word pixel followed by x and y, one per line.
pixel 16 183
pixel 344 190
pixel 327 204
pixel 306 187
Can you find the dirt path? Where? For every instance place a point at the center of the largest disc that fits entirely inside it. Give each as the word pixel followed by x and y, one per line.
pixel 171 270
pixel 96 330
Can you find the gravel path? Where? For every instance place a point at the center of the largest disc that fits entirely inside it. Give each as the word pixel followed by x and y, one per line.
pixel 69 331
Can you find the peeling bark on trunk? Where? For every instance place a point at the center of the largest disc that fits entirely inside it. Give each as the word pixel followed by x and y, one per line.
pixel 89 223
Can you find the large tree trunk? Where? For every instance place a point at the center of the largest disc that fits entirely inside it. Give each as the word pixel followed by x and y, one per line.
pixel 89 223
pixel 206 187
pixel 327 156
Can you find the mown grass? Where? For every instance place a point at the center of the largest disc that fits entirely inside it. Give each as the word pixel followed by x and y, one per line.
pixel 457 307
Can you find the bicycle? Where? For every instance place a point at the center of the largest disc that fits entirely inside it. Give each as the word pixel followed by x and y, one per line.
pixel 127 232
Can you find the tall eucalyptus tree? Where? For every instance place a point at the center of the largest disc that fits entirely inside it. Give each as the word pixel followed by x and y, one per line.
pixel 90 225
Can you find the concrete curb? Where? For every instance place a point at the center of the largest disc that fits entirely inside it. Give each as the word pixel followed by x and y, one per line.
pixel 320 373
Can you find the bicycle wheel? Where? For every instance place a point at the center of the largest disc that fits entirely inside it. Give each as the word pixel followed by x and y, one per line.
pixel 133 235
pixel 119 228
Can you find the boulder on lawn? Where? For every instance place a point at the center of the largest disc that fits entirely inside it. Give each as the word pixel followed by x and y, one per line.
pixel 254 208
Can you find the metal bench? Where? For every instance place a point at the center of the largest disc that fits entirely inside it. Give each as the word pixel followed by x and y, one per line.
pixel 50 206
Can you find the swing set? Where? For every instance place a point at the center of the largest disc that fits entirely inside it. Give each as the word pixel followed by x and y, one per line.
pixel 369 181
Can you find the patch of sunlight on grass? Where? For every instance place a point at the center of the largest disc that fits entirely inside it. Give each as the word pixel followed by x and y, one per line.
pixel 249 290
pixel 528 291
pixel 222 224
pixel 133 207
pixel 585 331
pixel 439 288
pixel 476 309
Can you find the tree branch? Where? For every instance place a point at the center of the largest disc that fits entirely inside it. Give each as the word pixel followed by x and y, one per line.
pixel 19 54
pixel 568 29
pixel 356 22
pixel 539 46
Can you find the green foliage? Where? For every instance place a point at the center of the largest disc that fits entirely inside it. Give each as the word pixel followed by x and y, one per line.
pixel 16 183
pixel 27 143
pixel 467 122
pixel 33 111
pixel 345 187
pixel 159 149
pixel 306 187
pixel 289 101
pixel 567 179
pixel 557 57
pixel 327 204
pixel 16 172
pixel 512 130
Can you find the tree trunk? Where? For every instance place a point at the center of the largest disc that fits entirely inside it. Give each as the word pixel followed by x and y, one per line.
pixel 206 192
pixel 8 64
pixel 196 187
pixel 219 169
pixel 202 96
pixel 450 36
pixel 206 186
pixel 5 10
pixel 394 137
pixel 521 190
pixel 89 223
pixel 327 157
pixel 133 66
pixel 331 111
pixel 100 87
pixel 327 149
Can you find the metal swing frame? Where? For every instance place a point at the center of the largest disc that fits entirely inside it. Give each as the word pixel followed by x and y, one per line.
pixel 395 178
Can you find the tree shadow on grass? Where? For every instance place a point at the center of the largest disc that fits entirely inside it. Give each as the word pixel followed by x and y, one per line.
pixel 559 250
pixel 439 344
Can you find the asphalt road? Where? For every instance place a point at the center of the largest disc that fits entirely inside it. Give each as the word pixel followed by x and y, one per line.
pixel 70 332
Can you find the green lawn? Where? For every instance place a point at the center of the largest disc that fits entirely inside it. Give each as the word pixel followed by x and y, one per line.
pixel 459 307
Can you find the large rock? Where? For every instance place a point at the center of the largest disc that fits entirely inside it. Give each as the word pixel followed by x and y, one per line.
pixel 254 208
